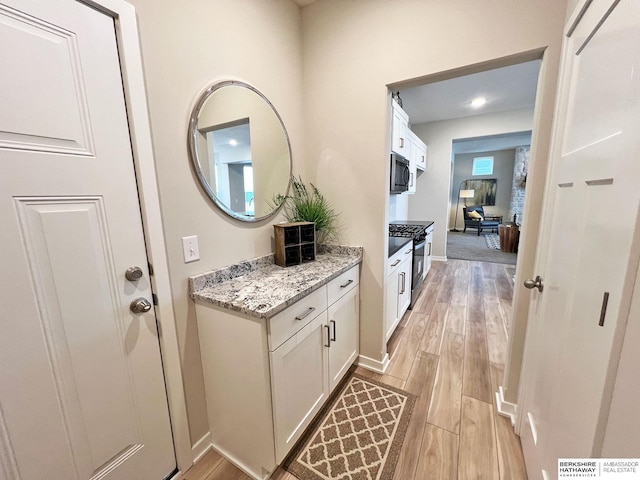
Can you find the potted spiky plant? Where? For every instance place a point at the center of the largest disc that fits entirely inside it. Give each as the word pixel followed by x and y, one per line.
pixel 304 204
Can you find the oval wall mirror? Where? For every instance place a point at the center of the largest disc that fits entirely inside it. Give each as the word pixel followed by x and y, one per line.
pixel 240 150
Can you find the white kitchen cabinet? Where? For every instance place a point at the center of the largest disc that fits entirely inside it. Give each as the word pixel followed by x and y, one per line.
pixel 404 285
pixel 344 325
pixel 399 128
pixel 420 154
pixel 266 379
pixel 412 149
pixel 299 381
pixel 398 291
pixel 309 365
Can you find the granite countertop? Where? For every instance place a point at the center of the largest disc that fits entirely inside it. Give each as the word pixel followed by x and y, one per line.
pixel 262 289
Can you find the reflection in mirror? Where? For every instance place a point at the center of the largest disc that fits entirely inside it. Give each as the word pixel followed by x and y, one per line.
pixel 240 150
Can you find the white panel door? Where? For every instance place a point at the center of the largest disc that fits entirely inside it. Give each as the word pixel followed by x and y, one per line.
pixel 82 392
pixel 576 322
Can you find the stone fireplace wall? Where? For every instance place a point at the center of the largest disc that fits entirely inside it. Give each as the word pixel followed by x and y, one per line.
pixel 520 168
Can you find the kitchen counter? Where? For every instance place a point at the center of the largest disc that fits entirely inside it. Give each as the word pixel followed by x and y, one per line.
pixel 396 243
pixel 262 289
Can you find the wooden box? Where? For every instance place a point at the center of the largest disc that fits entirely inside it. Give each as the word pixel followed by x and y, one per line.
pixel 295 243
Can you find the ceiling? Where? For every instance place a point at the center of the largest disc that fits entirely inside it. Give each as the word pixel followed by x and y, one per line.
pixel 506 88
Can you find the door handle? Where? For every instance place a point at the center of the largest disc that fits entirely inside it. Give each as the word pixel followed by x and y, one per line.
pixel 140 305
pixel 333 324
pixel 537 283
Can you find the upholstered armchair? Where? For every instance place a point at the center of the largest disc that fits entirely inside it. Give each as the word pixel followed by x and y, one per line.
pixel 474 217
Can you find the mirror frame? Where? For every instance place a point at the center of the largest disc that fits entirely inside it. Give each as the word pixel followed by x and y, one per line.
pixel 193 150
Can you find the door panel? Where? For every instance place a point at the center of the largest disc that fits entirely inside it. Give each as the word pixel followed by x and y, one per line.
pixel 81 386
pixel 590 226
pixel 344 317
pixel 53 55
pixel 300 382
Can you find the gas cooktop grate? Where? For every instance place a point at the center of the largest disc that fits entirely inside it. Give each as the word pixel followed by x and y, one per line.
pixel 408 231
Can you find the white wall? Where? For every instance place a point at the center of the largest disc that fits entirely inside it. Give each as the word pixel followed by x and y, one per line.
pixel 186 47
pixel 503 161
pixel 349 59
pixel 352 51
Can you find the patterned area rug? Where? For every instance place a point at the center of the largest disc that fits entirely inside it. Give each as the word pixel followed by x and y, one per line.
pixel 358 437
pixel 493 241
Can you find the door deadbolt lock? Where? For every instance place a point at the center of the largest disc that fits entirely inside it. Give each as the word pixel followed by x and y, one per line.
pixel 537 283
pixel 140 305
pixel 133 273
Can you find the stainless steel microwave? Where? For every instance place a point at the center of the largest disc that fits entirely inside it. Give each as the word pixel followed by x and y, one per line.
pixel 400 174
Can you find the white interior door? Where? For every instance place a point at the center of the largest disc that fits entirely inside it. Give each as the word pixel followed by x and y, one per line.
pixel 81 385
pixel 587 240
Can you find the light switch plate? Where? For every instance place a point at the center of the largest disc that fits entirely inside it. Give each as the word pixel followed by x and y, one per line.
pixel 190 249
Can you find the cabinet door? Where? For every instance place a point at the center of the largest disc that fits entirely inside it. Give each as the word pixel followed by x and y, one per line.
pixel 404 286
pixel 391 314
pixel 412 174
pixel 399 131
pixel 421 155
pixel 299 382
pixel 344 327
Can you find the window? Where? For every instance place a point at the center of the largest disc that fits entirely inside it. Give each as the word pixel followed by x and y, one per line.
pixel 482 166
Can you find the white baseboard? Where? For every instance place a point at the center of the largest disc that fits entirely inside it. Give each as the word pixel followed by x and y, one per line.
pixel 374 365
pixel 438 258
pixel 205 444
pixel 250 473
pixel 201 447
pixel 504 408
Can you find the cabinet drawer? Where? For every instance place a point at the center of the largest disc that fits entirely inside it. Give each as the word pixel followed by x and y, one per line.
pixel 343 283
pixel 289 321
pixel 398 257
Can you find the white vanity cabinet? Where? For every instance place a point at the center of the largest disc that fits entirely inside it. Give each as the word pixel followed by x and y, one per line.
pixel 266 379
pixel 310 364
pixel 299 381
pixel 399 128
pixel 398 288
pixel 344 325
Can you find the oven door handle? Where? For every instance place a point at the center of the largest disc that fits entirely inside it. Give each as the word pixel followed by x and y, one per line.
pixel 422 244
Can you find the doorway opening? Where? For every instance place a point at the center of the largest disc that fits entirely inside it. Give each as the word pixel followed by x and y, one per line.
pixel 485 119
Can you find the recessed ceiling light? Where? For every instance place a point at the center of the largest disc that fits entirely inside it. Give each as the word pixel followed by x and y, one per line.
pixel 478 102
pixel 233 142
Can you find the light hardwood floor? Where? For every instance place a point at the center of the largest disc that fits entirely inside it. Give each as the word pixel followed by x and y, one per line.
pixel 449 351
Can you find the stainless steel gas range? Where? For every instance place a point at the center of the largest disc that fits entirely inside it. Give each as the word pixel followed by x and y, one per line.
pixel 422 234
